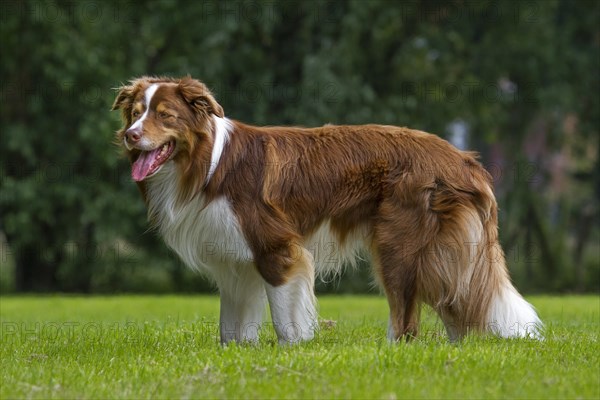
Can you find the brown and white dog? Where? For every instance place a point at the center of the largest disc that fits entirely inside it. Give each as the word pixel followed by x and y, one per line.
pixel 262 209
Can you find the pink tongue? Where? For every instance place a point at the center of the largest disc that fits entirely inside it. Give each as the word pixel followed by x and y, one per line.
pixel 141 166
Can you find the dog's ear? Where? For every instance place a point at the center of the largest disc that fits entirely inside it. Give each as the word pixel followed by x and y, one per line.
pixel 198 97
pixel 124 98
pixel 124 102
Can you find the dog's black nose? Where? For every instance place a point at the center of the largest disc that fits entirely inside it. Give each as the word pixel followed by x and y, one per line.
pixel 133 135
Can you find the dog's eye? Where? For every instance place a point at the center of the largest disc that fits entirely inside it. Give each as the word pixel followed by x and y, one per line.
pixel 135 114
pixel 163 115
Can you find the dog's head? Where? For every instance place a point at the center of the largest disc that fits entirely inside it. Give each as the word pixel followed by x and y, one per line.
pixel 166 120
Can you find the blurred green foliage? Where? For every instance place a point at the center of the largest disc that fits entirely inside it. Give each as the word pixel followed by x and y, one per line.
pixel 521 77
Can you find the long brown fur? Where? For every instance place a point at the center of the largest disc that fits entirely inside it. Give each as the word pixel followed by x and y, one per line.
pixel 428 207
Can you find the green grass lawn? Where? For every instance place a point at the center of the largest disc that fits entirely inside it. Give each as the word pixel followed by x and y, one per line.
pixel 167 347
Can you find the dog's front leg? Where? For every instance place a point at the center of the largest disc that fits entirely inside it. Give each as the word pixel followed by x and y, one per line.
pixel 292 303
pixel 242 306
pixel 287 269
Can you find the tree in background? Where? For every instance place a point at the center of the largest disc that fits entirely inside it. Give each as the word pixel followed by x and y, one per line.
pixel 520 80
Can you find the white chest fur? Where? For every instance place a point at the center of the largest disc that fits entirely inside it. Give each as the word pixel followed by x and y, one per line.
pixel 207 237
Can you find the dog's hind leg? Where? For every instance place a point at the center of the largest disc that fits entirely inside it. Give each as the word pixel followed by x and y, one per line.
pixel 399 282
pixel 399 255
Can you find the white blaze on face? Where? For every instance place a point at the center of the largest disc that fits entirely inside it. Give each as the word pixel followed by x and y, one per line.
pixel 139 123
pixel 147 98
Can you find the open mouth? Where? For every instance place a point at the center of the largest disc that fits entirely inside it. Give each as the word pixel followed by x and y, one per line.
pixel 149 162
